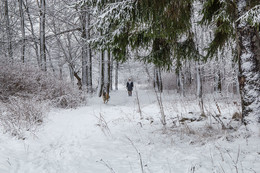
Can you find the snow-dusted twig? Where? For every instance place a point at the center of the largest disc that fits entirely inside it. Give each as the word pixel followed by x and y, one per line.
pixel 107 165
pixel 219 120
pixel 103 125
pixel 139 154
pixel 235 162
pixel 138 103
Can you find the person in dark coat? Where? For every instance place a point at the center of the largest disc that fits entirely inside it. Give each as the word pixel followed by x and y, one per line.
pixel 129 87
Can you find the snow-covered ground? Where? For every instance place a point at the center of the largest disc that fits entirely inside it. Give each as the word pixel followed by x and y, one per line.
pixel 111 138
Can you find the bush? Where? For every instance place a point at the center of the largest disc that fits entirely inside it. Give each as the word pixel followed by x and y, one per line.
pixel 22 115
pixel 25 81
pixel 26 93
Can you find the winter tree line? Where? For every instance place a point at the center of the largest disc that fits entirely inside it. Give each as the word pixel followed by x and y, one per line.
pixel 204 46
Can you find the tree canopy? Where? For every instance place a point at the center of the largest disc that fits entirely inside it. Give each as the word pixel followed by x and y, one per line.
pixel 161 26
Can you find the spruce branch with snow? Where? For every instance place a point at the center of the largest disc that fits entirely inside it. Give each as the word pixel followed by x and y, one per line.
pixel 232 20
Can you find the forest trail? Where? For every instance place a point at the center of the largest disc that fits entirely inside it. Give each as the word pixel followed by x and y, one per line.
pixel 105 138
pixel 77 140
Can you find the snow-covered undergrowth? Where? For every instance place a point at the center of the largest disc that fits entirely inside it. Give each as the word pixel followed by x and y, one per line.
pixel 25 81
pixel 20 116
pixel 107 138
pixel 25 92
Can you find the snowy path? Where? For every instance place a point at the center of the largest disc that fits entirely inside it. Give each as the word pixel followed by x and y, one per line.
pixel 103 138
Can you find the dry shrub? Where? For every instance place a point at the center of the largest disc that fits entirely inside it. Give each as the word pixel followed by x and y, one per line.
pixel 27 93
pixel 22 115
pixel 28 82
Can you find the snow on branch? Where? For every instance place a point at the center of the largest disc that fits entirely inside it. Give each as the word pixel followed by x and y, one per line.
pixel 252 16
pixel 113 12
pixel 111 19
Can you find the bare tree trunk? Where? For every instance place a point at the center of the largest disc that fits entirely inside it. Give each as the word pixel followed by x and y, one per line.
pixel 180 75
pixel 199 72
pixel 116 75
pixel 199 89
pixel 43 59
pixel 101 74
pixel 235 80
pixel 8 32
pixel 160 103
pixel 189 74
pixel 68 58
pixel 61 74
pixel 22 29
pixel 107 71
pixel 90 73
pixel 158 79
pixel 50 60
pixel 71 64
pixel 84 51
pixel 218 85
pixel 33 34
pixel 89 56
pixel 71 75
pixel 148 74
pixel 111 71
pixel 199 85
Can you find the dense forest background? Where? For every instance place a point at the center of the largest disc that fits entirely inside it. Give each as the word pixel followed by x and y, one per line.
pixel 195 106
pixel 61 50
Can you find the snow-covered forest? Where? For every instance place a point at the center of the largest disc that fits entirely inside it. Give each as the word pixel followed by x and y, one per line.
pixel 65 106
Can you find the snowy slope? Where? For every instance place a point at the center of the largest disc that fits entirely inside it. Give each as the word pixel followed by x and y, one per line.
pixel 104 138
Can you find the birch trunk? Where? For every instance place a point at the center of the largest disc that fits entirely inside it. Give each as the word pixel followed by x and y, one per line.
pixel 249 70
